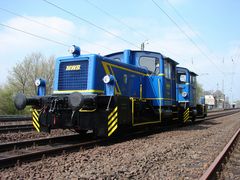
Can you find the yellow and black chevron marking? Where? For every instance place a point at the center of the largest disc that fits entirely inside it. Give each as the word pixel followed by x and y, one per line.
pixel 112 121
pixel 35 120
pixel 186 115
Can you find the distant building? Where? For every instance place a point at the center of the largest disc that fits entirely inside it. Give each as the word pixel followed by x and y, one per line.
pixel 210 101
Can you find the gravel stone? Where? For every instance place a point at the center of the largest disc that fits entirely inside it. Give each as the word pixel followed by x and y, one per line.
pixel 20 136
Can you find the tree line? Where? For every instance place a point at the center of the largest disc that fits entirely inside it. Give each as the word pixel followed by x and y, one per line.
pixel 21 78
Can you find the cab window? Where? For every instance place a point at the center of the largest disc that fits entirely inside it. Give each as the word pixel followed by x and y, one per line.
pixel 193 80
pixel 167 70
pixel 182 78
pixel 151 63
pixel 117 59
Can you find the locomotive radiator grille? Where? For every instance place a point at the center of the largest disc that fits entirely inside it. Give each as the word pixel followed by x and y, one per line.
pixel 73 75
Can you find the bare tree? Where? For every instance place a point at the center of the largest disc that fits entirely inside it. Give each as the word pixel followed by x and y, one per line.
pixel 33 66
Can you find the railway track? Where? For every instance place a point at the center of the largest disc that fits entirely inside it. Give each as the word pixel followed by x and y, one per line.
pixel 13 118
pixel 217 166
pixel 25 151
pixel 221 114
pixel 16 128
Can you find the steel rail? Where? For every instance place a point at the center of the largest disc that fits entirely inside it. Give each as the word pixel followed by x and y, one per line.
pixel 16 128
pixel 35 142
pixel 48 150
pixel 25 151
pixel 210 173
pixel 12 118
pixel 218 115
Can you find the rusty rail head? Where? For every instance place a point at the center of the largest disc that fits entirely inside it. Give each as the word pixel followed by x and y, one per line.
pixel 213 167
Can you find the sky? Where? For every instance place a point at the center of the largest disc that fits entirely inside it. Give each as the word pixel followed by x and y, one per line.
pixel 203 36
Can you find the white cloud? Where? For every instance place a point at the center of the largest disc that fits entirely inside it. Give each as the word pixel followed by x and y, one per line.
pixel 13 38
pixel 14 45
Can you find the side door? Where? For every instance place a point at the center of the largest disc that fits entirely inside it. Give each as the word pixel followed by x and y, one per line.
pixel 192 95
pixel 168 93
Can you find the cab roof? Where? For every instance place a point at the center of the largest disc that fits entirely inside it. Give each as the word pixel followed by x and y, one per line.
pixel 190 72
pixel 146 52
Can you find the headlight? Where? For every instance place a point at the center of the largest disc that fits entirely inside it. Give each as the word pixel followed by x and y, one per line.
pixel 184 94
pixel 74 50
pixel 38 82
pixel 108 79
pixel 71 49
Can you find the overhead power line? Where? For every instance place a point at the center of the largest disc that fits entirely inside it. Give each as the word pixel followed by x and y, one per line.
pixel 34 35
pixel 187 36
pixel 188 25
pixel 38 36
pixel 184 20
pixel 53 28
pixel 117 19
pixel 90 23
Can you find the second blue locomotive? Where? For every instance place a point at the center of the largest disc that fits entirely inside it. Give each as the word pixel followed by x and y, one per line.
pixel 109 93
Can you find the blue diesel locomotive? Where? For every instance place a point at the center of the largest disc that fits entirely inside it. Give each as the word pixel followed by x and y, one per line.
pixel 108 93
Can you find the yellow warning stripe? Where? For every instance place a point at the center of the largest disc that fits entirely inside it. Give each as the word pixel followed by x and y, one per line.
pixel 35 116
pixel 36 122
pixel 114 123
pixel 187 110
pixel 110 115
pixel 186 119
pixel 110 133
pixel 186 115
pixel 113 118
pixel 35 126
pixel 35 111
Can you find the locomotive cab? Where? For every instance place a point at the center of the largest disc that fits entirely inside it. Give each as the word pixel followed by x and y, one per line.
pixel 157 95
pixel 186 88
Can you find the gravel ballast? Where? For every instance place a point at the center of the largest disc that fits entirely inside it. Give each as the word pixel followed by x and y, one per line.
pixel 184 153
pixel 20 136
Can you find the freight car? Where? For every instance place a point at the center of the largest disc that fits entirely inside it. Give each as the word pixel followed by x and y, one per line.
pixel 106 94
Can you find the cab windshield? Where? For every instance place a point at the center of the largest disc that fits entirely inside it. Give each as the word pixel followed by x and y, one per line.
pixel 182 78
